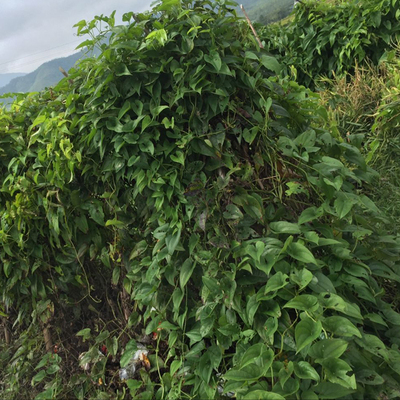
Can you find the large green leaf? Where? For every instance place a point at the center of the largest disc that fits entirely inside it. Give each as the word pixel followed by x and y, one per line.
pixel 335 302
pixel 328 348
pixel 301 277
pixel 271 63
pixel 343 204
pixel 172 241
pixel 300 252
pixel 113 124
pixel 305 302
pixel 186 272
pixel 251 308
pixel 285 227
pixel 262 395
pixel 369 377
pixel 374 345
pixel 205 367
pixel 338 371
pixel 341 326
pixel 232 212
pixel 306 332
pixel 39 377
pixel 304 370
pixel 48 394
pixel 328 390
pixel 321 283
pixel 96 213
pixel 291 386
pixel 259 354
pixel 250 373
pixel 214 59
pixel 285 373
pixel 276 282
pixel 310 214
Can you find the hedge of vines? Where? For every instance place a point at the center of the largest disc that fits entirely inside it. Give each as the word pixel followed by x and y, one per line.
pixel 176 193
pixel 325 38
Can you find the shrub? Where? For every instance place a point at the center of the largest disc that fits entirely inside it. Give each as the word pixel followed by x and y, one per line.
pixel 325 38
pixel 180 170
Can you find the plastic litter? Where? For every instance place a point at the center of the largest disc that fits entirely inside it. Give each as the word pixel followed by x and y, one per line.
pixel 127 373
pixel 138 360
pixel 221 392
pixel 220 387
pixel 85 366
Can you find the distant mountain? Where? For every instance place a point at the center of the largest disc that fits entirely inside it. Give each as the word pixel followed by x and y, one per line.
pixel 268 11
pixel 48 74
pixel 6 78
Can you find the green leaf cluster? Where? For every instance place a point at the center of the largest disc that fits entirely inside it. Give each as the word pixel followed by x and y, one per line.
pixel 180 169
pixel 326 38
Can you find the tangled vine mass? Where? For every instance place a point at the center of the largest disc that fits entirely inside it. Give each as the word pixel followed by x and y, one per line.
pixel 178 221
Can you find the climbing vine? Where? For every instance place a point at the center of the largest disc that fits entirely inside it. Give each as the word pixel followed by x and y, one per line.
pixel 177 207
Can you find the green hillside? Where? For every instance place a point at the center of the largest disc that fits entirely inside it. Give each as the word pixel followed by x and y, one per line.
pixel 268 11
pixel 46 75
pixel 6 78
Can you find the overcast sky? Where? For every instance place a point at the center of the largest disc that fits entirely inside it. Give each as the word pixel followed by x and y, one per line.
pixel 35 31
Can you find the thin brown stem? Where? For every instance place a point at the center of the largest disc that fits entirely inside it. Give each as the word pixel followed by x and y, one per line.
pixel 65 73
pixel 47 339
pixel 125 304
pixel 7 332
pixel 252 27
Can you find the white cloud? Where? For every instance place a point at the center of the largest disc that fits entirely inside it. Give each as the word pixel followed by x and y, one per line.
pixel 35 31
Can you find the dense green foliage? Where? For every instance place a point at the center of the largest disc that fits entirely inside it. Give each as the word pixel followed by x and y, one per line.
pixel 176 189
pixel 322 39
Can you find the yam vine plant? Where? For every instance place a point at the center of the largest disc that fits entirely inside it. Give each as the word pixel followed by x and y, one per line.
pixel 176 192
pixel 325 38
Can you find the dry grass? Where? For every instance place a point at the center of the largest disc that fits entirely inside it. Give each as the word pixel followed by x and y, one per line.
pixel 364 108
pixel 353 100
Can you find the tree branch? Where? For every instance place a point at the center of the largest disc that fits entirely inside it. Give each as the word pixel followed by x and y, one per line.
pixel 251 26
pixel 65 73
